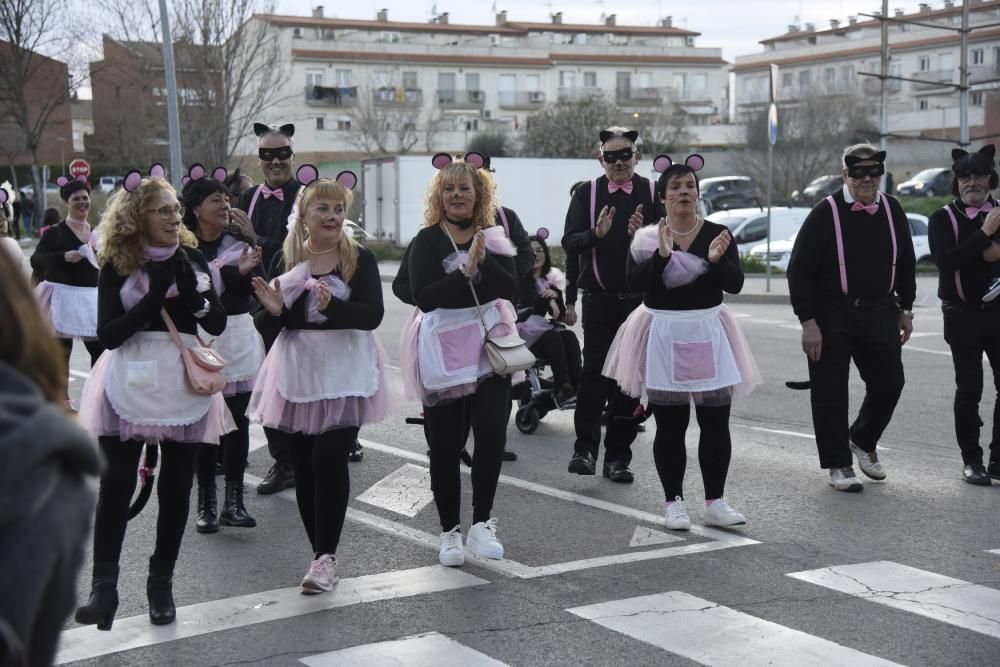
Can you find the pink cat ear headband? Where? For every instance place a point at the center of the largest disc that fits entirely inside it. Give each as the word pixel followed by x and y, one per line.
pixel 308 173
pixel 134 177
pixel 4 197
pixel 442 160
pixel 197 171
pixel 62 181
pixel 663 162
pixel 542 233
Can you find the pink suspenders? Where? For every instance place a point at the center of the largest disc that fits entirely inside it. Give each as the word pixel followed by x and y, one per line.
pixel 253 203
pixel 840 242
pixel 503 220
pixel 954 228
pixel 593 222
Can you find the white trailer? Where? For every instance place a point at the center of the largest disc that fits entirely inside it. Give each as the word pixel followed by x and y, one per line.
pixel 394 190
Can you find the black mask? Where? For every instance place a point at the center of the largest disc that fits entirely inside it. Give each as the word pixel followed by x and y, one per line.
pixel 461 224
pixel 269 154
pixel 623 154
pixel 860 171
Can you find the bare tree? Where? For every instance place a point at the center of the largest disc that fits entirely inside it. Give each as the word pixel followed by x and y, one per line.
pixel 569 128
pixel 384 122
pixel 662 131
pixel 370 125
pixel 435 124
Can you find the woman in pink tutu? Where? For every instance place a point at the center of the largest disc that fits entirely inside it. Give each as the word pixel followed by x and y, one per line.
pixel 682 345
pixel 138 390
pixel 442 345
pixel 324 377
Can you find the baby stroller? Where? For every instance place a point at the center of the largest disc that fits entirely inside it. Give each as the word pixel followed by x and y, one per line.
pixel 536 398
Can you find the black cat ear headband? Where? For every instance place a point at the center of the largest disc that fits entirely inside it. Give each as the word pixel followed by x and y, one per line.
pixel 197 171
pixel 288 129
pixel 631 135
pixel 134 177
pixel 663 162
pixel 982 161
pixel 474 159
pixel 852 160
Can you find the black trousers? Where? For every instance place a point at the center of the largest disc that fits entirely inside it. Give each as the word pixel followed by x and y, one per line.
pixel 174 477
pixel 562 350
pixel 603 314
pixel 714 447
pixel 447 427
pixel 322 484
pixel 869 336
pixel 235 446
pixel 972 332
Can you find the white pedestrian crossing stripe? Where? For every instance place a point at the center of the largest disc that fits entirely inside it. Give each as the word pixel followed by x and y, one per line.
pixel 935 596
pixel 644 537
pixel 406 491
pixel 431 648
pixel 692 627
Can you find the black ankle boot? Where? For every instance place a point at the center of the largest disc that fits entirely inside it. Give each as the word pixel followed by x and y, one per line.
pixel 160 591
pixel 208 519
pixel 234 513
pixel 103 603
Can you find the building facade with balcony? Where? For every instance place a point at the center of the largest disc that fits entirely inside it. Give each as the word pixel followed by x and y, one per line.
pixel 435 85
pixel 832 60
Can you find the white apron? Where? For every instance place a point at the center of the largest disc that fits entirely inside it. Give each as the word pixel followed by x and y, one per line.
pixel 74 311
pixel 241 346
pixel 330 364
pixel 450 347
pixel 146 384
pixel 688 351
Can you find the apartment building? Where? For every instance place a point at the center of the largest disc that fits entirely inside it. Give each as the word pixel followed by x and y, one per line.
pixel 830 60
pixel 370 86
pixel 49 80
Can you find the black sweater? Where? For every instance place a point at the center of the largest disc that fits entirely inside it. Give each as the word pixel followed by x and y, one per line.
pixel 238 297
pixel 49 261
pixel 813 269
pixel 432 288
pixel 579 239
pixel 115 325
pixel 363 309
pixel 270 218
pixel 726 275
pixel 965 256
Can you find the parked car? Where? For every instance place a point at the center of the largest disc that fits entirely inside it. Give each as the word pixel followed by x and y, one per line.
pixel 818 188
pixel 107 183
pixel 729 192
pixel 781 251
pixel 749 225
pixel 927 183
pixel 51 189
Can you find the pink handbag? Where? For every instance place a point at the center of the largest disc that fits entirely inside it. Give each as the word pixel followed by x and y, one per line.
pixel 202 365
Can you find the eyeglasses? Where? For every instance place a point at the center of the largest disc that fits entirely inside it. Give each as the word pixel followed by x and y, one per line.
pixel 168 212
pixel 623 155
pixel 858 172
pixel 269 154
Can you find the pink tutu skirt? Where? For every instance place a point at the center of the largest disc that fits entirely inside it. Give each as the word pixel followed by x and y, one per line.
pixel 269 408
pixel 626 363
pixel 98 416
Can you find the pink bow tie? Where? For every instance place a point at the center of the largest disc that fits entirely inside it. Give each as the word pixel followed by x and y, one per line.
pixel 277 193
pixel 973 212
pixel 626 186
pixel 871 209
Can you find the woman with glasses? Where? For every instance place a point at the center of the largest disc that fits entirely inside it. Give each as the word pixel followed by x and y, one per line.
pixel 138 390
pixel 234 260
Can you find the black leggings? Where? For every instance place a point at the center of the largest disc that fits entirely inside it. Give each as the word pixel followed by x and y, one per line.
pixel 174 476
pixel 561 349
pixel 235 446
pixel 714 447
pixel 447 429
pixel 322 484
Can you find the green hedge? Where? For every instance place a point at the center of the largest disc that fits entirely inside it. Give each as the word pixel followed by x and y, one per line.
pixel 923 205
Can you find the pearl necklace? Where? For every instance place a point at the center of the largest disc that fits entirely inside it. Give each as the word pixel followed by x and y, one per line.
pixel 314 252
pixel 697 224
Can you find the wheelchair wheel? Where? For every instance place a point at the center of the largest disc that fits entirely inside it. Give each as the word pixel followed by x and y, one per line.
pixel 526 419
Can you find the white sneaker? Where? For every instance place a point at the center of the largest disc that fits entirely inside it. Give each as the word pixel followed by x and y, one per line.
pixel 483 540
pixel 451 553
pixel 677 516
pixel 868 462
pixel 320 578
pixel 843 479
pixel 719 513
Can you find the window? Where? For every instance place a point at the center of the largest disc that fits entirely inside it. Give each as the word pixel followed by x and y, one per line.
pixel 923 105
pixel 344 124
pixel 977 56
pixel 645 79
pixel 567 79
pixel 410 80
pixel 786 79
pixel 344 78
pixel 320 123
pixel 472 81
pixel 446 81
pixel 532 82
pixel 805 79
pixel 917 227
pixel 590 79
pixel 680 81
pixel 472 125
pixel 976 99
pixel 847 73
pixel 381 78
pixel 830 75
pixel 945 62
pixel 699 81
pixel 314 77
pixel 924 64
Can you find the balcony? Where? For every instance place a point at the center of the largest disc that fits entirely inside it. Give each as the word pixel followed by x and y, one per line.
pixel 461 99
pixel 322 96
pixel 985 73
pixel 927 80
pixel 574 94
pixel 872 86
pixel 521 99
pixel 638 97
pixel 389 96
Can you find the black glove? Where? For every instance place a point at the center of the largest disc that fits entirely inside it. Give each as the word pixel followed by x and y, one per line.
pixel 161 276
pixel 187 281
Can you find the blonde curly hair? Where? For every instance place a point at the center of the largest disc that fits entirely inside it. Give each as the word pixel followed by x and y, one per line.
pixel 295 243
pixel 484 213
pixel 122 229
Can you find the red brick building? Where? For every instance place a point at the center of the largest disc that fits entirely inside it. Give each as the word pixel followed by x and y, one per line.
pixel 49 80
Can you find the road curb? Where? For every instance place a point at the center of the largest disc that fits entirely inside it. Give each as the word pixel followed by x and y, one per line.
pixel 772 299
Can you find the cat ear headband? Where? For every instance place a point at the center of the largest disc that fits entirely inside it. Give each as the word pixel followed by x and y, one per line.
pixel 308 174
pixel 851 160
pixel 260 129
pixel 197 171
pixel 694 161
pixel 134 177
pixel 62 181
pixel 631 135
pixel 4 196
pixel 474 159
pixel 542 233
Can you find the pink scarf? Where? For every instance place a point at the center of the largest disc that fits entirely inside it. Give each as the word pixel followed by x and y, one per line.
pixel 496 243
pixel 136 286
pixel 230 251
pixel 298 280
pixel 683 267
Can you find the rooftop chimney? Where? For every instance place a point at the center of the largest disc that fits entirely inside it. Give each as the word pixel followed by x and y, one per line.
pixel 948 4
pixel 610 19
pixel 834 24
pixel 382 15
pixel 667 22
pixel 852 20
pixel 556 18
pixel 792 27
pixel 924 7
pixel 318 12
pixel 443 18
pixel 810 27
pixel 502 18
pixel 900 12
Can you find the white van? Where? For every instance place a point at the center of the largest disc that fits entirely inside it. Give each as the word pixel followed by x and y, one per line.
pixel 107 183
pixel 749 225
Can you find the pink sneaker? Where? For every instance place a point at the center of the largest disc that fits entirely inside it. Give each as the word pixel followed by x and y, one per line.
pixel 320 577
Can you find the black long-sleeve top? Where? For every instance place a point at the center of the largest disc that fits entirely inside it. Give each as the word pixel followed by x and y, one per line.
pixel 964 256
pixel 362 310
pixel 705 291
pixel 530 302
pixel 572 277
pixel 401 283
pixel 580 239
pixel 270 218
pixel 115 325
pixel 49 260
pixel 238 296
pixel 813 269
pixel 432 288
pixel 519 237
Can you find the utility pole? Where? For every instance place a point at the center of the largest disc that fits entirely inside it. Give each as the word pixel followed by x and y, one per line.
pixel 173 117
pixel 883 113
pixel 963 80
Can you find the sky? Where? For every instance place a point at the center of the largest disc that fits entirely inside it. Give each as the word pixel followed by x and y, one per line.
pixel 735 26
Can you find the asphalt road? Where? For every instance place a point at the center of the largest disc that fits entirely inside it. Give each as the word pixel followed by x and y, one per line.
pixel 906 572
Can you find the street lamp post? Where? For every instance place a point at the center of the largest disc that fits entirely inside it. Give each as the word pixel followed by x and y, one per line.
pixel 62 155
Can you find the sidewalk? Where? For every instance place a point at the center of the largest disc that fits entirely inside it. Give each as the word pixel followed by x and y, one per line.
pixel 755 287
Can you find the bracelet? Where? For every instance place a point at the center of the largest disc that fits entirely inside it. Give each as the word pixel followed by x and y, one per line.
pixel 908 313
pixel 206 308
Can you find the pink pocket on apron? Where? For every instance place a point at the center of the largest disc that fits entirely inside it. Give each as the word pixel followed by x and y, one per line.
pixel 693 361
pixel 460 346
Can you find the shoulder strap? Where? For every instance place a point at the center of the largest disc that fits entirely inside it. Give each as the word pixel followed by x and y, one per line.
pixel 954 228
pixel 475 297
pixel 593 225
pixel 892 234
pixel 253 203
pixel 840 244
pixel 503 219
pixel 172 328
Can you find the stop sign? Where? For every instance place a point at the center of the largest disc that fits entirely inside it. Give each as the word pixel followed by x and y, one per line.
pixel 79 167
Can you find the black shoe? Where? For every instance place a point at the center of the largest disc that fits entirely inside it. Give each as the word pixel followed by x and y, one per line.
pixel 617 471
pixel 234 513
pixel 160 591
pixel 208 518
pixel 509 455
pixel 357 452
pixel 975 473
pixel 279 477
pixel 103 603
pixel 583 463
pixel 993 469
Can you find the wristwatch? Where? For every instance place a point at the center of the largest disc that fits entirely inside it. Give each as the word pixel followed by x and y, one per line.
pixel 206 307
pixel 908 313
